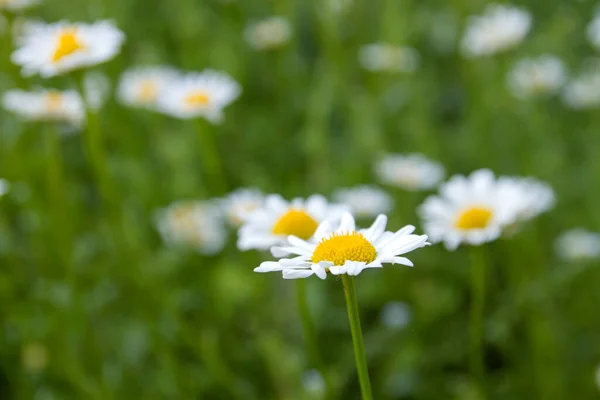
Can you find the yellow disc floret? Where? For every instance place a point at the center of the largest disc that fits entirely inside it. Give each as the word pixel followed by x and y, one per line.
pixel 197 99
pixel 67 44
pixel 296 222
pixel 340 248
pixel 474 218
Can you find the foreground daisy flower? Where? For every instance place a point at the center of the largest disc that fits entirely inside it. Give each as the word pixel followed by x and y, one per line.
pixel 410 172
pixel 193 224
pixel 203 94
pixel 239 204
pixel 46 105
pixel 17 5
pixel 344 250
pixel 583 92
pixel 578 245
pixel 271 224
pixel 143 86
pixel 472 209
pixel 499 28
pixel 364 201
pixel 387 57
pixel 540 76
pixel 54 49
pixel 269 33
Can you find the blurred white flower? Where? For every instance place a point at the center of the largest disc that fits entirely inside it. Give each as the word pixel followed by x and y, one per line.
pixel 593 32
pixel 239 204
pixel 96 88
pixel 54 49
pixel 4 187
pixel 395 315
pixel 194 224
pixel 500 28
pixel 143 86
pixel 16 5
pixel 46 105
pixel 543 75
pixel 199 94
pixel 388 57
pixel 410 171
pixel 34 357
pixel 472 209
pixel 528 197
pixel 313 382
pixel 344 250
pixel 339 6
pixel 578 245
pixel 271 224
pixel 364 201
pixel 583 92
pixel 270 33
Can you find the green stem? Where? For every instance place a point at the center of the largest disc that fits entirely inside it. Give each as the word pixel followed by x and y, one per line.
pixel 310 337
pixel 357 337
pixel 476 355
pixel 211 162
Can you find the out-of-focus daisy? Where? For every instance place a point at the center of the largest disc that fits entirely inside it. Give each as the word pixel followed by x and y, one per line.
pixel 472 209
pixel 344 250
pixel 96 88
pixel 314 383
pixel 53 49
pixel 388 57
pixel 16 5
pixel 269 33
pixel 593 32
pixel 203 94
pixel 193 224
pixel 500 28
pixel 530 77
pixel 239 204
pixel 364 201
pixel 4 187
pixel 578 245
pixel 271 224
pixel 583 92
pixel 46 105
pixel 528 197
pixel 143 86
pixel 395 315
pixel 411 171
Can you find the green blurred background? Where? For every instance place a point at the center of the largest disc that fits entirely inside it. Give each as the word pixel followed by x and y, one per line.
pixel 94 306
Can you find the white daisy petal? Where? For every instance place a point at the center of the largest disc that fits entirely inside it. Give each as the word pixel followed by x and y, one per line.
pixel 376 229
pixel 296 273
pixel 319 271
pixel 268 266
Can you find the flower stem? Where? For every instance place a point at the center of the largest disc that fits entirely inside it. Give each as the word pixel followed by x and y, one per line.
pixel 357 337
pixel 476 355
pixel 211 162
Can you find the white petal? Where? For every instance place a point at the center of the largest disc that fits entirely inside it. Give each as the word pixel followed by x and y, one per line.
pixel 376 229
pixel 294 262
pixel 268 266
pixel 279 251
pixel 354 267
pixel 319 271
pixel 324 229
pixel 347 223
pixel 301 244
pixel 400 260
pixel 296 273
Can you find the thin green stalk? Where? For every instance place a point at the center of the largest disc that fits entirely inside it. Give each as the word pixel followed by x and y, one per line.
pixel 308 330
pixel 357 337
pixel 476 354
pixel 211 162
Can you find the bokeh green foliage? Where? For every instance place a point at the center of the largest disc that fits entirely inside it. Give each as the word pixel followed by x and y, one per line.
pixel 121 316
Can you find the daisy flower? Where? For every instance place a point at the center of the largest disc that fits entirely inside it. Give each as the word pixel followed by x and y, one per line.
pixel 396 315
pixel 531 77
pixel 17 5
pixel 364 201
pixel 269 33
pixel 203 94
pixel 4 187
pixel 529 197
pixel 271 224
pixel 54 49
pixel 239 204
pixel 193 224
pixel 143 86
pixel 388 57
pixel 578 245
pixel 472 209
pixel 344 250
pixel 499 28
pixel 410 172
pixel 583 92
pixel 46 105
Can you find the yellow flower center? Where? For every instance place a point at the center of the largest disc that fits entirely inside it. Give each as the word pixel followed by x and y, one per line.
pixel 296 222
pixel 197 99
pixel 68 43
pixel 474 218
pixel 54 101
pixel 147 91
pixel 344 247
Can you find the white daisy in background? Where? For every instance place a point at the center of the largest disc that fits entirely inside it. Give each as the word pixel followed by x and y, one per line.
pixel 96 89
pixel 528 197
pixel 143 86
pixel 54 49
pixel 578 245
pixel 396 315
pixel 4 187
pixel 193 224
pixel 314 383
pixel 379 57
pixel 271 224
pixel 46 105
pixel 531 77
pixel 365 201
pixel 268 34
pixel 239 204
pixel 344 250
pixel 17 5
pixel 410 171
pixel 199 94
pixel 583 92
pixel 593 32
pixel 499 28
pixel 472 209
